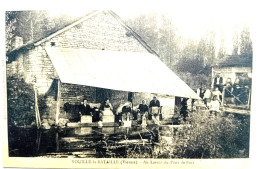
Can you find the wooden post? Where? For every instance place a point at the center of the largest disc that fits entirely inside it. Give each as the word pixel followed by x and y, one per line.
pixel 37 113
pixel 212 78
pixel 249 99
pixel 58 104
pixel 38 140
pixel 223 96
pixel 57 142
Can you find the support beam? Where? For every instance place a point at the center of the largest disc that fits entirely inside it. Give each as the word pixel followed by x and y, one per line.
pixel 37 113
pixel 212 78
pixel 249 99
pixel 223 96
pixel 58 103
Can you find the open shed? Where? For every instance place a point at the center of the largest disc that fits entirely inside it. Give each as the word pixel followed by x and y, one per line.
pixel 95 57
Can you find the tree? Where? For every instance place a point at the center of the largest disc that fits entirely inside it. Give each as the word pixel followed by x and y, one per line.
pixel 195 56
pixel 242 43
pixel 33 25
pixel 20 102
pixel 211 48
pixel 236 44
pixel 246 48
pixel 10 28
pixel 191 58
pixel 222 50
pixel 161 35
pixel 206 49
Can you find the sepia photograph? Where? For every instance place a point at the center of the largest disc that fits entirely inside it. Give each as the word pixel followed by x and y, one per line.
pixel 127 87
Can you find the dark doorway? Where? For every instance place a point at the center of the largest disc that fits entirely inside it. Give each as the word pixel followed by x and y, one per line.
pixel 101 94
pixel 130 97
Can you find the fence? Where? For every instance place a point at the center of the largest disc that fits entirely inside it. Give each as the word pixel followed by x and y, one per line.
pixel 237 95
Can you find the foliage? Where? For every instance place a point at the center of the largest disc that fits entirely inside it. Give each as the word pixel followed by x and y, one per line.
pixel 196 56
pixel 208 136
pixel 202 136
pixel 246 43
pixel 222 51
pixel 202 79
pixel 20 102
pixel 139 151
pixel 235 50
pixel 10 28
pixel 193 65
pixel 34 25
pixel 242 43
pixel 178 53
pixel 159 32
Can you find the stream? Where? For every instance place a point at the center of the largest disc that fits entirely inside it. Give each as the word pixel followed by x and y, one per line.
pixel 83 142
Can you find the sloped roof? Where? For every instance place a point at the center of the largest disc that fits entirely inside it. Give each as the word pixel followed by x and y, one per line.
pixel 117 70
pixel 235 61
pixel 44 39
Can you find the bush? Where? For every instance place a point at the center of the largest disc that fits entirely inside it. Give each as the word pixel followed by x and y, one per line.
pixel 209 136
pixel 202 135
pixel 20 102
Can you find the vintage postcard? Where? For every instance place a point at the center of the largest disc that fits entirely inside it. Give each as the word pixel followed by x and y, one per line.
pixel 128 88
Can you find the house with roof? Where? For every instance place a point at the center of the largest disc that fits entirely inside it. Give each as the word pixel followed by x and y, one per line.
pixel 237 69
pixel 233 67
pixel 95 57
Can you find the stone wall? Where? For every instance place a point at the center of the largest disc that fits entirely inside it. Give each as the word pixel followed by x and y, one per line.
pixel 115 97
pixel 34 66
pixel 39 68
pixel 102 32
pixel 16 67
pixel 118 97
pixel 74 94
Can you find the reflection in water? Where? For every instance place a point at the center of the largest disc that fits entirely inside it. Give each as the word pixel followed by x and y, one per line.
pixel 57 140
pixel 38 140
pixel 104 142
pixel 108 130
pixel 83 130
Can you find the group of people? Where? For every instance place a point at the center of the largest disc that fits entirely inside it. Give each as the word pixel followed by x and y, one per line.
pixel 213 98
pixel 86 109
pixel 124 111
pixel 226 93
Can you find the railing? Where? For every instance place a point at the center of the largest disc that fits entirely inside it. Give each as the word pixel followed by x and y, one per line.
pixel 241 97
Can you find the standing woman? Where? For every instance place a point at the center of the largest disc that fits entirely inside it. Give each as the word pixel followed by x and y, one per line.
pixel 106 109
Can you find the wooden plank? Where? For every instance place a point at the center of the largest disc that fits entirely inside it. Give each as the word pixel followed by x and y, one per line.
pixel 223 96
pixel 94 124
pixel 37 113
pixel 249 99
pixel 238 111
pixel 58 104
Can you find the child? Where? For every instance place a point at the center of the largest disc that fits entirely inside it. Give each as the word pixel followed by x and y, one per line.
pixel 214 105
pixel 217 93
